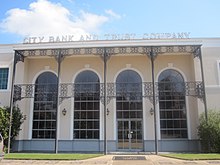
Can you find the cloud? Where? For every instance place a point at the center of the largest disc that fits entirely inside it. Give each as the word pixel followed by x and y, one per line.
pixel 90 22
pixel 71 1
pixel 113 14
pixel 44 18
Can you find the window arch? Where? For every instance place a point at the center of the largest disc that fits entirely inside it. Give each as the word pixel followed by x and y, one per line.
pixel 129 86
pixel 86 106
pixel 173 120
pixel 129 95
pixel 45 103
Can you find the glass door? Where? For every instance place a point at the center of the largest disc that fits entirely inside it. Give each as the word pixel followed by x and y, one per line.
pixel 130 135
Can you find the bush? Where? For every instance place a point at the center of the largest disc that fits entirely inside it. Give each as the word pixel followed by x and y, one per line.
pixel 17 120
pixel 209 131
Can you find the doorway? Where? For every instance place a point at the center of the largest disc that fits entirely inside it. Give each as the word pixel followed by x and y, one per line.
pixel 130 135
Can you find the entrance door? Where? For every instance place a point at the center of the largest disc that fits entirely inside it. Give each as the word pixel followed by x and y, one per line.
pixel 130 135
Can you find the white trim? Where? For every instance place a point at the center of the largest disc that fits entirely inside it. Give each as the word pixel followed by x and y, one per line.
pixel 71 129
pixel 188 119
pixel 40 72
pixel 115 124
pixel 158 120
pixel 109 43
pixel 218 71
pixel 145 114
pixel 101 122
pixel 124 69
pixel 31 113
pixel 86 69
pixel 173 68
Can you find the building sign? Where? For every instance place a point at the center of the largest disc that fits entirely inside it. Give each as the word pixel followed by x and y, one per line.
pixel 94 37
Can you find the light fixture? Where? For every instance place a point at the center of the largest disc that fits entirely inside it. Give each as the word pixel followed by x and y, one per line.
pixel 151 111
pixel 107 113
pixel 64 112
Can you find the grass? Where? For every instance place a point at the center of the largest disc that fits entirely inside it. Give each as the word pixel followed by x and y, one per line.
pixel 38 156
pixel 194 156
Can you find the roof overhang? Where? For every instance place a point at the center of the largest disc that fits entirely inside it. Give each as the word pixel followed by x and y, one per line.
pixel 116 47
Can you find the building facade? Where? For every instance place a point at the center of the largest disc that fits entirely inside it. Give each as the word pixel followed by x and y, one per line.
pixel 111 96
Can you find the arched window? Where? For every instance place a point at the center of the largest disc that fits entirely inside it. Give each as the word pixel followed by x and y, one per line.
pixel 129 95
pixel 86 106
pixel 173 120
pixel 129 111
pixel 45 102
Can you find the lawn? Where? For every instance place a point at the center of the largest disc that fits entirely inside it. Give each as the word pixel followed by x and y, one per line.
pixel 36 156
pixel 194 156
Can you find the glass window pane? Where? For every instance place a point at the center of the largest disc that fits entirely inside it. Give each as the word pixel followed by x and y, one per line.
pixel 83 115
pixel 35 125
pixel 96 134
pixel 4 78
pixel 96 125
pixel 44 113
pixel 90 115
pixel 87 91
pixel 172 105
pixel 129 95
pixel 89 134
pixel 83 134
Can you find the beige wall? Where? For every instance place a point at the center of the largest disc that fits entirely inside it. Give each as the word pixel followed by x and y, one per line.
pixel 211 59
pixel 6 61
pixel 71 66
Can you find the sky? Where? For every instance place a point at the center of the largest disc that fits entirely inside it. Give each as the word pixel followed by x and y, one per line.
pixel 20 19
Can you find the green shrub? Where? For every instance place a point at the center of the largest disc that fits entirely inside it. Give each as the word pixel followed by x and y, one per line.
pixel 209 131
pixel 17 120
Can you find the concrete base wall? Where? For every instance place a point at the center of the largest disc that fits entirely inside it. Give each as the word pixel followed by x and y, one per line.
pixel 179 146
pixel 97 146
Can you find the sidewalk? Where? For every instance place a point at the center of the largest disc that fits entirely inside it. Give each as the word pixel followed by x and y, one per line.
pixel 110 160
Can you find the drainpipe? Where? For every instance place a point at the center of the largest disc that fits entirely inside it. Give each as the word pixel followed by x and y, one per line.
pixel 203 83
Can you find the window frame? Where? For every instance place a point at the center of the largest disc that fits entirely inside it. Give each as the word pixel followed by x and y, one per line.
pixel 81 99
pixel 129 86
pixel 179 109
pixel 8 78
pixel 46 107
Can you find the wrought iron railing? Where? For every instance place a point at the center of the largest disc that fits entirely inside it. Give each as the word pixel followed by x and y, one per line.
pixel 145 90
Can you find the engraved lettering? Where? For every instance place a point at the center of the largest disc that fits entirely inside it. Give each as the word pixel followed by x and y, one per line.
pixel 51 39
pixel 41 39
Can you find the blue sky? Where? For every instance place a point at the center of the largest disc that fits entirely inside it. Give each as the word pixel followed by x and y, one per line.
pixel 23 18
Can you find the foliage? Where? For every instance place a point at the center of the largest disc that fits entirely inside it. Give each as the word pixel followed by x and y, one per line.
pixel 17 120
pixel 209 131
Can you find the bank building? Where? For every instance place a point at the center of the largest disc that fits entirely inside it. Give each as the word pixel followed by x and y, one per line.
pixel 111 95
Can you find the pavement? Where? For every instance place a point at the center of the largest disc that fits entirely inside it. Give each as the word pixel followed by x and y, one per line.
pixel 114 160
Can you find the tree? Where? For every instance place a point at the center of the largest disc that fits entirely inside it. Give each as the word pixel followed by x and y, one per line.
pixel 209 131
pixel 17 120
